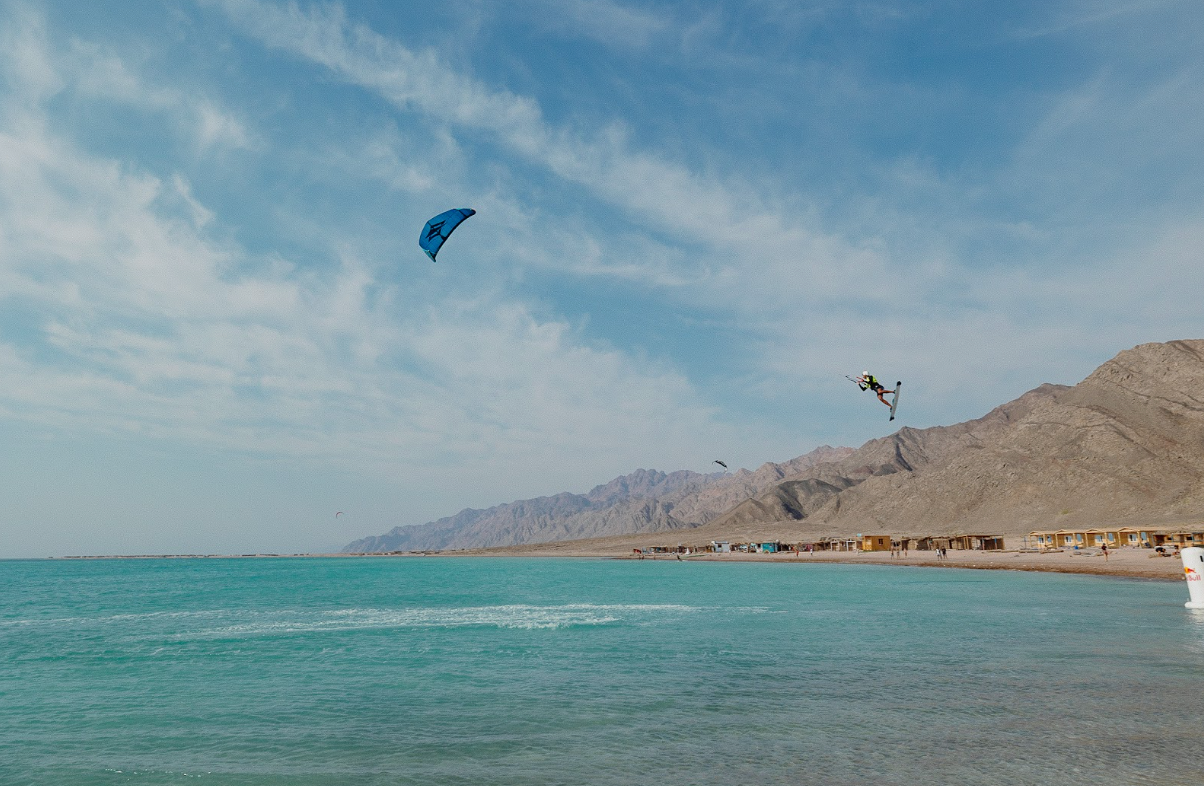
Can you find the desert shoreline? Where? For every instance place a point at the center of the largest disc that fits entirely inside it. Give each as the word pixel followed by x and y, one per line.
pixel 1121 563
pixel 1159 569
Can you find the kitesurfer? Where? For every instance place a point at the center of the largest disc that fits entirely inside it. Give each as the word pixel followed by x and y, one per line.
pixel 867 381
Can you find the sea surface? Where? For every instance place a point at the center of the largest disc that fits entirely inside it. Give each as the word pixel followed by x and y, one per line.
pixel 315 672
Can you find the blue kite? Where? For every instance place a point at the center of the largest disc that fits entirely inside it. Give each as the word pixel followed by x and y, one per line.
pixel 439 229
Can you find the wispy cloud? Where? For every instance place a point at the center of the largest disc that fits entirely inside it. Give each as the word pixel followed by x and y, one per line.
pixel 925 254
pixel 141 321
pixel 1092 13
pixel 662 195
pixel 614 24
pixel 710 241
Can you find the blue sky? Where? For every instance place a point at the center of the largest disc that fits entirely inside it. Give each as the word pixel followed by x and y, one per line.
pixel 693 219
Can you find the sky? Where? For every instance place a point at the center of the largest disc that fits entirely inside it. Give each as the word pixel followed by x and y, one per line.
pixel 693 220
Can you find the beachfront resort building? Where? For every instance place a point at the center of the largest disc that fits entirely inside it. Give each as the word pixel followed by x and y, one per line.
pixel 1114 537
pixel 1184 538
pixel 1086 538
pixel 873 542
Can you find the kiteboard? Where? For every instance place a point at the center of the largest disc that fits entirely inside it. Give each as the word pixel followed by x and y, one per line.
pixel 895 403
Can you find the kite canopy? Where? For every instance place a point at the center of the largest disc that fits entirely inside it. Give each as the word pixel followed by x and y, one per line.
pixel 439 229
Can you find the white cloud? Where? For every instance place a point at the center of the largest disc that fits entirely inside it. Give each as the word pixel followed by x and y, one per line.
pixel 219 128
pixel 152 324
pixel 29 72
pixel 1078 14
pixel 100 75
pixel 909 261
pixel 608 22
pixel 144 324
pixel 664 196
pixel 706 241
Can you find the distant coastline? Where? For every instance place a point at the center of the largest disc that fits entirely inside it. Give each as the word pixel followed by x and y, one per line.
pixel 1120 563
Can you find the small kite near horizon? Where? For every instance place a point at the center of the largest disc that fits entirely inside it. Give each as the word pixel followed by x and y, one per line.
pixel 439 229
pixel 338 514
pixel 720 463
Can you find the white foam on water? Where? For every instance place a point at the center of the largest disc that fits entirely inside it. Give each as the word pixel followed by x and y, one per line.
pixel 112 619
pixel 513 616
pixel 242 623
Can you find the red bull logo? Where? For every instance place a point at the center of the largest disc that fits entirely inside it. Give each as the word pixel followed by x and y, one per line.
pixel 1192 573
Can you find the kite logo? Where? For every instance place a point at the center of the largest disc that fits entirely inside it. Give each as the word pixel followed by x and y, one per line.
pixel 435 231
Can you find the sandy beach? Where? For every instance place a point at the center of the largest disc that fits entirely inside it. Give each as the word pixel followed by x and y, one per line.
pixel 1122 563
pixel 1134 564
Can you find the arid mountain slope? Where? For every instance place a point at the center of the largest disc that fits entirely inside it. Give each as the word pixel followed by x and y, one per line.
pixel 820 494
pixel 644 501
pixel 1124 446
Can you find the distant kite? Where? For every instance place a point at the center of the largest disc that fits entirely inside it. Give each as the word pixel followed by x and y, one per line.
pixel 720 463
pixel 338 514
pixel 439 229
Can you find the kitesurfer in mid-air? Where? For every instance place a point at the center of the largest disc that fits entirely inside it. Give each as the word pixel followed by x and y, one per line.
pixel 867 381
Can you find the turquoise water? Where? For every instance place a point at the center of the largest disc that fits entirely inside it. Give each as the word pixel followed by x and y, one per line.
pixel 492 671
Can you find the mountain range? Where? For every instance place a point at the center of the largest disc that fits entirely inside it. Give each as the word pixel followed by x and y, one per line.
pixel 643 501
pixel 1124 446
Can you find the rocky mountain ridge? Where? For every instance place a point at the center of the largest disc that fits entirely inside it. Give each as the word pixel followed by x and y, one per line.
pixel 1124 446
pixel 642 501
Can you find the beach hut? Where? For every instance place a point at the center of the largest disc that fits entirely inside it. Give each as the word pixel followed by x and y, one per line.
pixel 1137 537
pixel 1162 537
pixel 841 544
pixel 721 546
pixel 976 542
pixel 1041 539
pixel 1071 539
pixel 1184 538
pixel 875 543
